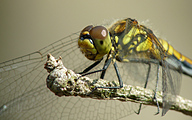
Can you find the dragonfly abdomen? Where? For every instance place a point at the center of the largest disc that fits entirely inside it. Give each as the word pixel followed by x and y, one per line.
pixel 175 57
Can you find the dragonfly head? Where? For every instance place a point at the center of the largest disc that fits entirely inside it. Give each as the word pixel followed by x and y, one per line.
pixel 94 42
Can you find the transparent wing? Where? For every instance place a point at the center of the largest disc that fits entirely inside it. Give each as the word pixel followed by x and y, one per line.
pixel 24 94
pixel 171 83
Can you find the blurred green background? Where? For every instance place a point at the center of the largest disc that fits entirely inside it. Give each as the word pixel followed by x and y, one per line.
pixel 29 25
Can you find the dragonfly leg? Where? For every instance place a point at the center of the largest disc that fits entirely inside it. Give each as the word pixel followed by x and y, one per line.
pixel 103 72
pixel 90 67
pixel 147 78
pixel 118 75
pixel 156 89
pixel 106 65
pixel 117 72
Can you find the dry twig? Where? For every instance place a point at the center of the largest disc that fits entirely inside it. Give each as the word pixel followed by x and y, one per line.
pixel 64 82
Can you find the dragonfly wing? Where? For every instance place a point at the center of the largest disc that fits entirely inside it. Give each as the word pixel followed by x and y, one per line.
pixel 22 81
pixel 24 94
pixel 171 83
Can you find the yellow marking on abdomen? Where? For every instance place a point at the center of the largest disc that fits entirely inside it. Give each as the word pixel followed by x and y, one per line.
pixel 171 51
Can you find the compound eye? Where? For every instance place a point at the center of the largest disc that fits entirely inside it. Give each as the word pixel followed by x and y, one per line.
pixel 88 28
pixel 99 32
pixel 85 32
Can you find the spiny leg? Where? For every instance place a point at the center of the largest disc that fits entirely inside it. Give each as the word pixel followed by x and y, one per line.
pixel 106 65
pixel 90 67
pixel 147 78
pixel 156 89
pixel 103 72
pixel 117 73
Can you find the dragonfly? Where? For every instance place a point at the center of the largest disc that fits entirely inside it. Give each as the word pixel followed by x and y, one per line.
pixel 127 41
pixel 138 58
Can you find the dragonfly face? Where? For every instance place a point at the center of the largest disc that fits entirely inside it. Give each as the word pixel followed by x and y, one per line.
pixel 94 42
